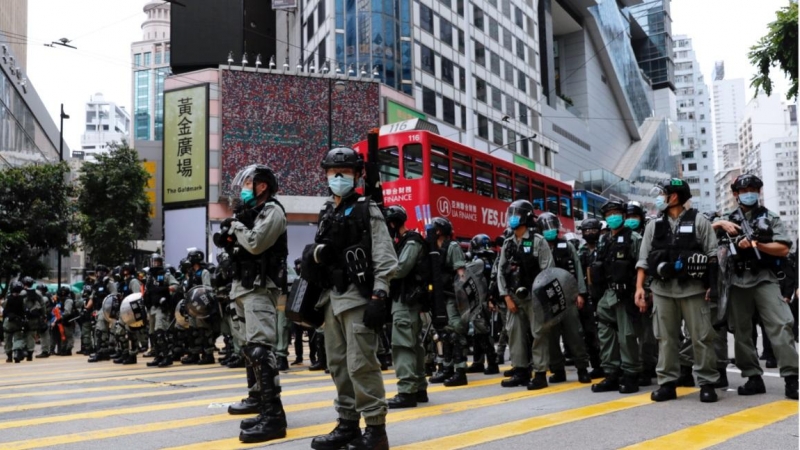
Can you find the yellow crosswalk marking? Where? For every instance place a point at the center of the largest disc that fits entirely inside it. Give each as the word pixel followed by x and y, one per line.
pixel 113 375
pixel 723 428
pixel 525 426
pixel 402 416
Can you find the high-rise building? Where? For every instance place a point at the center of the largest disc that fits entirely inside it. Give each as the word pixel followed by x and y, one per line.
pixel 694 125
pixel 150 58
pixel 654 51
pixel 14 29
pixel 729 104
pixel 768 149
pixel 106 123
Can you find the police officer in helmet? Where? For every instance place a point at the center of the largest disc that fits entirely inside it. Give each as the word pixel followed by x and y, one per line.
pixel 159 286
pixel 679 250
pixel 352 260
pixel 587 253
pixel 755 287
pixel 480 247
pixel 258 245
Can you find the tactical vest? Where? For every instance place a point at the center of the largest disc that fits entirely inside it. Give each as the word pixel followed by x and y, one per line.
pixel 270 263
pixel 620 265
pixel 562 256
pixel 156 287
pixel 673 247
pixel 413 288
pixel 522 263
pixel 746 258
pixel 124 288
pixel 14 308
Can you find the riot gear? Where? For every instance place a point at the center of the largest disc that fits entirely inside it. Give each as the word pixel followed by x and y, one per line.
pixel 27 281
pixel 634 208
pixel 343 157
pixel 132 311
pixel 746 180
pixel 111 305
pixel 522 210
pixel 671 250
pixel 156 260
pixel 555 289
pixel 255 173
pixel 181 316
pixel 480 245
pixel 17 287
pixel 396 214
pixel 442 225
pixel 612 205
pixel 200 302
pixel 549 225
pixel 195 256
pixel 129 268
pixel 672 186
pixel 590 230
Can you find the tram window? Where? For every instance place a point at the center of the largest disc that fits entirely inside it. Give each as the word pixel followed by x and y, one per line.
pixel 521 189
pixel 566 205
pixel 462 175
pixel 503 171
pixel 552 200
pixel 389 164
pixel 577 212
pixel 504 188
pixel 537 197
pixel 412 161
pixel 483 182
pixel 461 157
pixel 440 169
pixel 439 149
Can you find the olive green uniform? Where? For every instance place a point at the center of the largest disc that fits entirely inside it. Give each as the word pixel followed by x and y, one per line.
pixel 618 330
pixel 69 327
pixel 569 325
pixel 760 292
pixel 454 261
pixel 529 317
pixel 350 346
pixel 101 325
pixel 673 302
pixel 408 353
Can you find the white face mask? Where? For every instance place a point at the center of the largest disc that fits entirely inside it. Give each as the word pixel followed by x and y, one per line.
pixel 341 184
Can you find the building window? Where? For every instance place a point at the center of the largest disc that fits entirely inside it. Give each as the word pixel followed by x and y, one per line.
pixel 463 116
pixel 508 71
pixel 497 135
pixel 494 30
pixel 166 54
pixel 137 60
pixel 460 7
pixel 427 60
pixel 321 12
pixel 518 17
pixel 158 54
pixel 510 105
pixel 310 29
pixel 147 59
pixel 426 18
pixel 429 101
pixel 692 166
pixel 497 99
pixel 480 89
pixel 483 126
pixel 477 16
pixel 462 79
pixel 480 54
pixel 495 60
pixel 461 41
pixel 448 110
pixel 507 39
pixel 446 31
pixel 520 49
pixel 523 113
pixel 521 81
pixel 447 70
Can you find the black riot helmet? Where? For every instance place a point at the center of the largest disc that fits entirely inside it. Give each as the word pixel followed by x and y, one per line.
pixel 523 210
pixel 746 180
pixel 185 265
pixel 612 205
pixel 673 186
pixel 101 268
pixel 256 173
pixel 128 267
pixel 442 225
pixel 634 208
pixel 17 287
pixel 396 214
pixel 548 225
pixel 195 256
pixel 156 260
pixel 343 157
pixel 27 282
pixel 590 230
pixel 481 244
pixel 64 292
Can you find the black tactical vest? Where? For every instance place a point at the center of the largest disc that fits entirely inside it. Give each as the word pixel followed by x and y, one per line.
pixel 522 260
pixel 562 256
pixel 674 247
pixel 747 257
pixel 616 257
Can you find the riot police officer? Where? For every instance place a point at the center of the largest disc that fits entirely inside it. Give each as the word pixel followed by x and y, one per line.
pixel 614 274
pixel 409 290
pixel 481 251
pixel 523 256
pixel 15 323
pixel 353 261
pixel 755 286
pixel 565 256
pixel 38 323
pixel 66 304
pixel 158 290
pixel 678 250
pixel 128 337
pixel 202 318
pixel 587 253
pixel 257 243
pixel 103 287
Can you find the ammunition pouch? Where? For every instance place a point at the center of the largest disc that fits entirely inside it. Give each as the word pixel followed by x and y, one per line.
pixel 597 275
pixel 246 272
pixel 358 267
pixel 659 265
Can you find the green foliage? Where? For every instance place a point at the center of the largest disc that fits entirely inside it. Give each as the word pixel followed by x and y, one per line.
pixel 36 216
pixel 113 206
pixel 777 48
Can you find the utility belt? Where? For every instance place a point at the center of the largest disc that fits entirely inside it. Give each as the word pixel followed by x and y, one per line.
pixel 665 267
pixel 247 272
pixel 515 281
pixel 755 266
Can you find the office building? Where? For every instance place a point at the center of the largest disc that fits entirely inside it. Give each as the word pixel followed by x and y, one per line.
pixel 106 123
pixel 150 58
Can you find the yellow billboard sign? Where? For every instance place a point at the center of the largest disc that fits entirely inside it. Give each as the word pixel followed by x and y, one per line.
pixel 185 147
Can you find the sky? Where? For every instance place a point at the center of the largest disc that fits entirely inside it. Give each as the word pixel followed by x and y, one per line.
pixel 102 31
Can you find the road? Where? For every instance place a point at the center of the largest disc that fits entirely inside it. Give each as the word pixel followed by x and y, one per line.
pixel 64 402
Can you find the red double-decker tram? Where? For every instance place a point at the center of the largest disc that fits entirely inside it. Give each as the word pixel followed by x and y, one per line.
pixel 430 176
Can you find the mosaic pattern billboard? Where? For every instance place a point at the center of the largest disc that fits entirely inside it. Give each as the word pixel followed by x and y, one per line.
pixel 283 121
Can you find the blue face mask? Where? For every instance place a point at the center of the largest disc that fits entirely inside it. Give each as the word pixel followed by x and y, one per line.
pixel 550 235
pixel 248 197
pixel 661 203
pixel 633 224
pixel 748 198
pixel 340 184
pixel 513 222
pixel 614 221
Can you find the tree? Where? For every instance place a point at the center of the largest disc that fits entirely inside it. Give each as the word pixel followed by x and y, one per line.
pixel 114 209
pixel 777 48
pixel 36 216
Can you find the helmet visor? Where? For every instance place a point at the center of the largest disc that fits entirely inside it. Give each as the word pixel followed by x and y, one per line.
pixel 657 190
pixel 549 223
pixel 243 179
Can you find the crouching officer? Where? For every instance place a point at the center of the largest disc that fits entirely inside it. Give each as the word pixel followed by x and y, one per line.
pixel 614 273
pixel 409 290
pixel 159 286
pixel 678 250
pixel 352 260
pixel 755 286
pixel 522 257
pixel 257 243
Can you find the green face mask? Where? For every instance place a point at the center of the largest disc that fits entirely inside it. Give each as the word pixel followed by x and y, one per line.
pixel 633 224
pixel 247 196
pixel 614 221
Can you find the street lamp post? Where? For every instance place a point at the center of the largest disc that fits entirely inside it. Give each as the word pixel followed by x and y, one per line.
pixel 614 184
pixel 340 87
pixel 61 159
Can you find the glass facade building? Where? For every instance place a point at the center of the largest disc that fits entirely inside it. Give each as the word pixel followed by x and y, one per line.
pixel 151 59
pixel 654 51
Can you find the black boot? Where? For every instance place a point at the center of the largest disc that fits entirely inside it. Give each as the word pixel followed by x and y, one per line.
pixel 644 379
pixel 227 351
pixel 345 432
pixel 152 352
pixel 491 355
pixel 19 355
pixel 708 394
pixel 629 383
pixel 791 387
pixel 99 356
pixel 422 396
pixel 723 379
pixel 29 356
pixel 519 377
pixel 43 354
pixel 248 405
pixel 206 359
pixel 374 438
pixel 166 361
pixel 443 374
pixel 459 378
pixel 771 363
pixel 9 358
pixel 501 355
pixel 583 376
pixel 235 362
pixel 476 368
pixel 754 385
pixel 686 379
pixel 491 369
pixel 539 381
pixel 558 376
pixel 322 359
pixel 271 421
pixel 190 359
pixel 609 383
pixel 597 372
pixel 283 363
pixel 120 359
pixel 664 392
pixel 130 359
pixel 403 401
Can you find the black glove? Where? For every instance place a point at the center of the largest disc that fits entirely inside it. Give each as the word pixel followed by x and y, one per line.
pixel 375 314
pixel 324 254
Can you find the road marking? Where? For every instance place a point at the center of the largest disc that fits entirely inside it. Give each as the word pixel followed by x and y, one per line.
pixel 402 415
pixel 723 428
pixel 525 426
pixel 94 378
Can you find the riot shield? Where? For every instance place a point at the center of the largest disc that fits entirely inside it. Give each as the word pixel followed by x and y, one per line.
pixel 111 306
pixel 301 304
pixel 471 290
pixel 556 290
pixel 200 302
pixel 132 311
pixel 181 320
